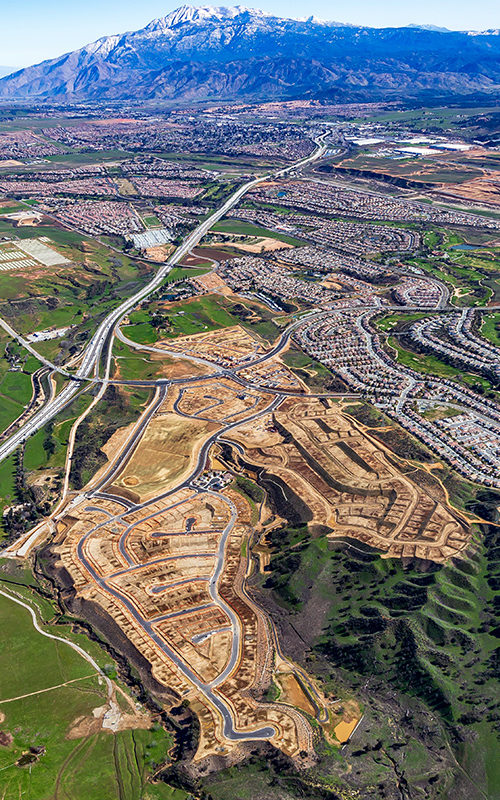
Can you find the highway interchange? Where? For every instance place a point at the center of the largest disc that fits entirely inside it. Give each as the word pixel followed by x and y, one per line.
pixel 103 335
pixel 87 373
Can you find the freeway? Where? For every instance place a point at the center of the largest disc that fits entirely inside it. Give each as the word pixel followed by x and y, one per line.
pixel 88 372
pixel 97 344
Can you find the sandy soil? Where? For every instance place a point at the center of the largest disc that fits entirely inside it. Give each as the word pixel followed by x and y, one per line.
pixel 264 244
pixel 126 187
pixel 211 282
pixel 166 452
pixel 292 693
pixel 159 253
pixel 485 189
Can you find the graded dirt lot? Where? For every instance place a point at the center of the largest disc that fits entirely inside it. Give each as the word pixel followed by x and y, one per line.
pixel 211 282
pixel 166 452
pixel 164 549
pixel 165 558
pixel 227 347
pixel 234 347
pixel 349 484
pixel 149 570
pixel 262 244
pixel 160 253
pixel 485 189
pixel 220 400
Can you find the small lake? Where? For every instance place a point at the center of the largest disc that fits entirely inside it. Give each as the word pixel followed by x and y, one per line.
pixel 466 247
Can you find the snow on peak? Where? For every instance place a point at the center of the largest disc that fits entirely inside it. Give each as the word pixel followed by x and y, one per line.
pixel 195 14
pixel 103 46
pixel 489 32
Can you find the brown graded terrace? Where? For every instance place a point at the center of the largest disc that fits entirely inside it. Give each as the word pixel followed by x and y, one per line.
pixel 165 558
pixel 351 486
pixel 163 549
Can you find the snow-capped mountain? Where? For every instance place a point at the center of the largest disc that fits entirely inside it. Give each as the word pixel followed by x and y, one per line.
pixel 198 53
pixel 489 32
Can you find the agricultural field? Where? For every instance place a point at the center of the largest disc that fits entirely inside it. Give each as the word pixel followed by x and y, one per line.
pixel 71 295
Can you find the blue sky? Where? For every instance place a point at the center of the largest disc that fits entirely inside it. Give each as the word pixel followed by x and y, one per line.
pixel 33 30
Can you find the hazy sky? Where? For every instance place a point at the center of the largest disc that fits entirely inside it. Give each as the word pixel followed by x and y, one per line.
pixel 33 30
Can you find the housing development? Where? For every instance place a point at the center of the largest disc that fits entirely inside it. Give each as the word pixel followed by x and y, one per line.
pixel 249 467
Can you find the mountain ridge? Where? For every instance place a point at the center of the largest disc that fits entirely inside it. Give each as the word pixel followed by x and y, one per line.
pixel 234 53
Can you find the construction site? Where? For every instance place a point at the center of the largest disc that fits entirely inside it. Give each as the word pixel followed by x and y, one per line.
pixel 163 544
pixel 349 483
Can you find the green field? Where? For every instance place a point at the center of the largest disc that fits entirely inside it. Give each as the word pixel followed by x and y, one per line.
pixel 97 157
pixel 314 374
pixel 389 321
pixel 73 296
pixel 11 209
pixel 442 117
pixel 15 394
pixel 151 221
pixel 142 332
pixel 490 328
pixel 205 313
pixel 424 640
pixel 185 318
pixel 218 162
pixel 473 276
pixel 431 365
pixel 180 273
pixel 136 366
pixel 98 766
pixel 7 483
pixel 38 454
pixel 246 228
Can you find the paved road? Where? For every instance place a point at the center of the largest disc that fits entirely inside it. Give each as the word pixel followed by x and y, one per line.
pixel 208 690
pixel 95 347
pixel 127 451
pixel 215 699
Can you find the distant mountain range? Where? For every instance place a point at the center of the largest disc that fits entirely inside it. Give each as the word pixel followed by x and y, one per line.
pixel 237 53
pixel 6 70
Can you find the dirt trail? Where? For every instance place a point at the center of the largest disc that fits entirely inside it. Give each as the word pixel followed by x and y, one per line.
pixel 48 689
